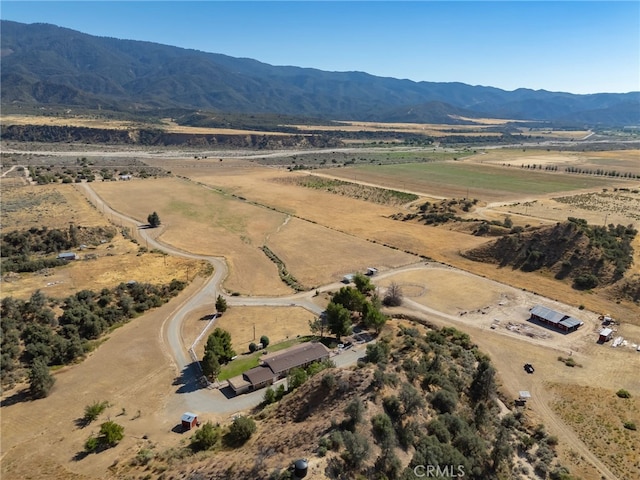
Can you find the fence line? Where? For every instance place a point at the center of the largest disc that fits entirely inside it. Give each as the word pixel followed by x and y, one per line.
pixel 192 349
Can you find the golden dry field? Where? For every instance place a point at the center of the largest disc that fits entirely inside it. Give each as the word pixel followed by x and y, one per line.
pixel 231 208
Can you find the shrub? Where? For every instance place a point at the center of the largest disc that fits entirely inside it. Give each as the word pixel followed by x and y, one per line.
pixel 241 430
pixel 622 393
pixel 206 437
pixel 91 412
pixel 444 401
pixel 253 347
pixel 264 340
pixel 586 281
pixel 629 425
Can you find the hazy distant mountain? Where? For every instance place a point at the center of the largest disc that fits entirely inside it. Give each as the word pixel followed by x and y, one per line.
pixel 45 64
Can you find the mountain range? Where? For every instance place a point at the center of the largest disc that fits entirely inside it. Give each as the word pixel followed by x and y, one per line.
pixel 45 64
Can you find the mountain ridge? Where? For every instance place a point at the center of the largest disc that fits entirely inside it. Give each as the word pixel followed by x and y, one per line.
pixel 47 64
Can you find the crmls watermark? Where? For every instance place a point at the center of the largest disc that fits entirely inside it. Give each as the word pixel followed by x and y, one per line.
pixel 439 471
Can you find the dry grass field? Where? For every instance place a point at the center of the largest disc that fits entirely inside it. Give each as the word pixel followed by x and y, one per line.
pixel 277 323
pixel 231 208
pixel 598 415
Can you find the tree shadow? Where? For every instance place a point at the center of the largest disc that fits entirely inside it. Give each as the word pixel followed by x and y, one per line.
pixel 189 379
pixel 81 422
pixel 211 316
pixel 81 455
pixel 22 395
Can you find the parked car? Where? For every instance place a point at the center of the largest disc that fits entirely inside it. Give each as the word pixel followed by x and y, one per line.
pixel 529 368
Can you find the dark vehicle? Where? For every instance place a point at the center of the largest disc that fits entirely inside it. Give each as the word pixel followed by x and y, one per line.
pixel 528 368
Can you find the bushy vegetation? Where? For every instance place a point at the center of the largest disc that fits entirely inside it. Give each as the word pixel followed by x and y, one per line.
pixel 28 250
pixel 438 406
pixel 285 276
pixel 351 305
pixel 378 195
pixel 109 436
pixel 58 332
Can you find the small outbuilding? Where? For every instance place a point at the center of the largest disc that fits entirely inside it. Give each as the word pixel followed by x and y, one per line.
pixel 189 420
pixel 523 396
pixel 67 256
pixel 348 278
pixel 371 271
pixel 605 335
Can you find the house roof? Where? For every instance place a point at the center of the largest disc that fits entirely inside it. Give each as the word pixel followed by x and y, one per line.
pixel 606 332
pixel 189 417
pixel 570 322
pixel 524 394
pixel 547 314
pixel 258 375
pixel 238 382
pixel 295 356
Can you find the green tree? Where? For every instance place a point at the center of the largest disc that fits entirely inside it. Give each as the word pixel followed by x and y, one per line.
pixel 264 340
pixel 363 283
pixel 219 342
pixel 483 385
pixel 221 304
pixel 40 379
pixel 110 434
pixel 206 437
pixel 349 298
pixel 372 317
pixel 338 320
pixel 210 365
pixel 153 220
pixel 356 451
pixel 241 430
pixel 269 396
pixel 317 326
pixel 296 377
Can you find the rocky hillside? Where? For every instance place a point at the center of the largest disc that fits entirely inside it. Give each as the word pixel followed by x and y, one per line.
pixel 419 397
pixel 588 255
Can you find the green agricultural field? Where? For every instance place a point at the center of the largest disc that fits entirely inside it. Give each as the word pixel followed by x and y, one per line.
pixel 482 181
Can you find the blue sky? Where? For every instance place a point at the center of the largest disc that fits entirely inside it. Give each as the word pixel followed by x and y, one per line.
pixel 573 46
